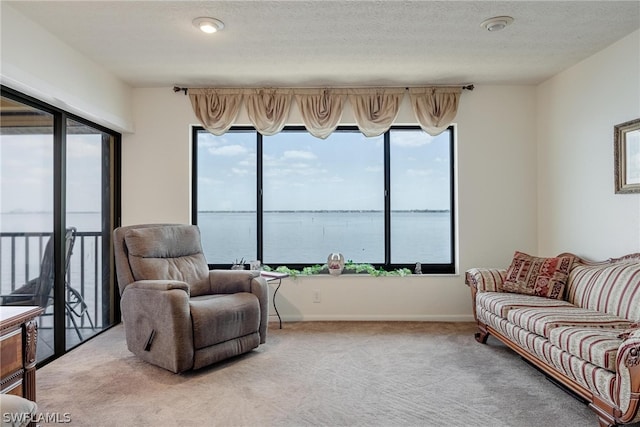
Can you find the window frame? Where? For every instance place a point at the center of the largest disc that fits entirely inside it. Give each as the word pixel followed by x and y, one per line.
pixel 427 268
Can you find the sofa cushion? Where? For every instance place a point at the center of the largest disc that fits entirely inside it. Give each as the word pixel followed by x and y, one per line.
pixel 500 303
pixel 543 320
pixel 595 345
pixel 589 375
pixel 544 277
pixel 612 288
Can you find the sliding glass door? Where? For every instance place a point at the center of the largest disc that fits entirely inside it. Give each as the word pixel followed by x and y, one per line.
pixel 88 287
pixel 58 183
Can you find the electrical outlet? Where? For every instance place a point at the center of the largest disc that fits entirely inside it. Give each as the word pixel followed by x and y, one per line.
pixel 316 296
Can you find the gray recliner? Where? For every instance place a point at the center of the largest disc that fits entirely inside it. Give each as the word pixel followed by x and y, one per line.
pixel 177 313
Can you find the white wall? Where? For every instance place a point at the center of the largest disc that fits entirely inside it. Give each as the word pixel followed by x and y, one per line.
pixel 577 110
pixel 39 65
pixel 496 214
pixel 508 201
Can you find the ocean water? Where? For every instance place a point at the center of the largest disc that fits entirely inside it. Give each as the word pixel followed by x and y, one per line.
pixel 20 259
pixel 289 238
pixel 309 237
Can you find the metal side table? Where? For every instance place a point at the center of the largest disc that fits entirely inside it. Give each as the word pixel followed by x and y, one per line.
pixel 272 276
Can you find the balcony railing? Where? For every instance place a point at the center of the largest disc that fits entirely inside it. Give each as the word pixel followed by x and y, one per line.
pixel 21 257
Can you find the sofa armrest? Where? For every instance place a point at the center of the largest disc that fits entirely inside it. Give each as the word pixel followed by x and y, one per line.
pixel 628 378
pixel 486 279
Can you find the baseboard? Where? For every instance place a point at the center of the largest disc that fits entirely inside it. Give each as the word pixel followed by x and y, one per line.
pixel 378 318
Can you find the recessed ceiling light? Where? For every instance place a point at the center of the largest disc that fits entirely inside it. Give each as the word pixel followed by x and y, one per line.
pixel 496 23
pixel 208 25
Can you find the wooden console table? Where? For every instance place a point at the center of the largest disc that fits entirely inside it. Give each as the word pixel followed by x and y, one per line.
pixel 18 340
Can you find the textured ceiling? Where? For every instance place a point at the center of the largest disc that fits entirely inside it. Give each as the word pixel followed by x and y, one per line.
pixel 334 43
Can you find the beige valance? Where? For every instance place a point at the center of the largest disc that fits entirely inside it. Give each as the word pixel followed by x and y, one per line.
pixel 216 109
pixel 321 110
pixel 375 109
pixel 435 107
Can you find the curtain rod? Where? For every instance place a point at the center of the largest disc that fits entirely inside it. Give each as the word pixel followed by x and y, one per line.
pixel 186 89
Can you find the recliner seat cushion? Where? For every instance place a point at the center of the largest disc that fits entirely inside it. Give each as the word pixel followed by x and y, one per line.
pixel 219 318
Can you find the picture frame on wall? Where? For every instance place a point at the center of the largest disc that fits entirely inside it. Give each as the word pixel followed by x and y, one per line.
pixel 626 141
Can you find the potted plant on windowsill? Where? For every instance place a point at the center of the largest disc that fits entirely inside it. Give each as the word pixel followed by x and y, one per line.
pixel 349 268
pixel 238 265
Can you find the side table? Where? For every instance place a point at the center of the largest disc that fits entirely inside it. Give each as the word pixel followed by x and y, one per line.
pixel 271 276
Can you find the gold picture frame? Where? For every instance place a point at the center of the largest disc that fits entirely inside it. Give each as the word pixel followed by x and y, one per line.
pixel 626 152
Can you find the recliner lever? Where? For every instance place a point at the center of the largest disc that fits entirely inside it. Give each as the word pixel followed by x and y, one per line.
pixel 147 346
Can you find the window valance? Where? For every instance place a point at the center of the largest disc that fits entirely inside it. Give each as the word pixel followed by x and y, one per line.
pixel 375 109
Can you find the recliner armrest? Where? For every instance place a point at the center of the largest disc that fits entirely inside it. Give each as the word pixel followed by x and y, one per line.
pixel 231 281
pixel 161 285
pixel 158 326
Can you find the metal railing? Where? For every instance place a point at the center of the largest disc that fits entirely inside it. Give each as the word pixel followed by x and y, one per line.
pixel 21 257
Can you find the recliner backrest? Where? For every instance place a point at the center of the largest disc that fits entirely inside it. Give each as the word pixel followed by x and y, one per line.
pixel 167 252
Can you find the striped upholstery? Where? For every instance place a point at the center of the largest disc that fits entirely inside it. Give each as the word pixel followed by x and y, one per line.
pixel 577 336
pixel 592 377
pixel 500 303
pixel 486 279
pixel 613 289
pixel 543 320
pixel 597 346
pixel 598 380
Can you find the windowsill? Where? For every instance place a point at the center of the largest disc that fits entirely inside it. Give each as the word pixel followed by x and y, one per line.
pixel 368 276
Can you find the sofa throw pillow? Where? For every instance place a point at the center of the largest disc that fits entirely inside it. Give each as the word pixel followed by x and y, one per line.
pixel 543 277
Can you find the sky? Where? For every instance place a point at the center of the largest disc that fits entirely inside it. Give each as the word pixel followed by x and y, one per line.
pixel 342 172
pixel 26 173
pixel 301 172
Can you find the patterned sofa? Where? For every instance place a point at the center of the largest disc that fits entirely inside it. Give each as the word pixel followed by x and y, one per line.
pixel 576 320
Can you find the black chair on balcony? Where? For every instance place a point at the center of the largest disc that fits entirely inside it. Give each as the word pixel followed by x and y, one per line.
pixel 39 291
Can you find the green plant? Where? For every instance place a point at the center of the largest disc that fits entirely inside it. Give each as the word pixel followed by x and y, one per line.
pixel 290 271
pixel 314 269
pixel 349 268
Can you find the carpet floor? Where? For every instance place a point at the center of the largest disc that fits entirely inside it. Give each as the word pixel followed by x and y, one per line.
pixel 315 374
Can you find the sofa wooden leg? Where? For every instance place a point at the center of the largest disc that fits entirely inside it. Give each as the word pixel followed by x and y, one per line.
pixel 602 410
pixel 606 423
pixel 482 336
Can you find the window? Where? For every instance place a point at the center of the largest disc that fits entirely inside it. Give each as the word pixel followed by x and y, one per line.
pixel 292 199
